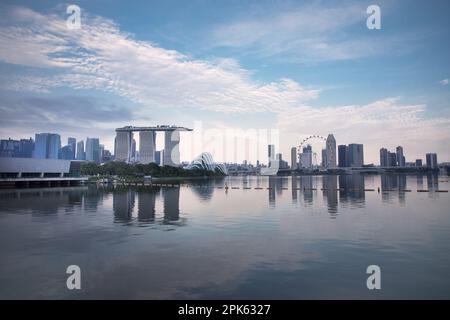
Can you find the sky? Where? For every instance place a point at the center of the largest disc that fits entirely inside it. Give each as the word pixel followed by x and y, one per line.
pixel 272 71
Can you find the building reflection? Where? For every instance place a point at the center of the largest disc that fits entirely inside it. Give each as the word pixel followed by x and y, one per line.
pixel 329 189
pixel 272 186
pixel 146 204
pixel 351 189
pixel 123 204
pixel 294 189
pixel 306 185
pixel 432 181
pixel 171 204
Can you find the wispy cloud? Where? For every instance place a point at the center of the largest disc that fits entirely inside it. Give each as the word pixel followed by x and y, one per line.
pixel 312 32
pixel 444 82
pixel 101 56
pixel 383 123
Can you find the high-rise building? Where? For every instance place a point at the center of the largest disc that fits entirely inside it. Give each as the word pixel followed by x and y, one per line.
pixel 384 157
pixel 47 146
pixel 66 153
pixel 147 146
pixel 72 142
pixel 400 157
pixel 418 162
pixel 324 158
pixel 22 148
pixel 101 152
pixel 271 152
pixel 306 157
pixel 432 160
pixel 26 148
pixel 80 151
pixel 93 149
pixel 343 156
pixel 158 157
pixel 172 148
pixel 355 155
pixel 331 151
pixel 9 148
pixel 123 142
pixel 133 150
pixel 293 158
pixel 392 159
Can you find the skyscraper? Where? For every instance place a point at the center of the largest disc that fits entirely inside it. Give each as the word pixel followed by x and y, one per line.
pixel 47 146
pixel 392 159
pixel 72 142
pixel 293 158
pixel 66 153
pixel 331 151
pixel 343 156
pixel 93 149
pixel 355 155
pixel 22 148
pixel 271 152
pixel 306 157
pixel 171 155
pixel 80 151
pixel 122 150
pixel 147 145
pixel 432 160
pixel 324 158
pixel 133 150
pixel 384 157
pixel 400 157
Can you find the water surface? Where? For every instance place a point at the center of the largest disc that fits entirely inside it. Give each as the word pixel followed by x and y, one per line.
pixel 288 240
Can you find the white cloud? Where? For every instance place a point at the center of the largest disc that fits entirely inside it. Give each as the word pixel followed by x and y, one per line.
pixel 308 33
pixel 384 123
pixel 101 56
pixel 444 82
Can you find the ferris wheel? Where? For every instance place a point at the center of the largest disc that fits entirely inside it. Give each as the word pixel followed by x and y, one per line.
pixel 311 138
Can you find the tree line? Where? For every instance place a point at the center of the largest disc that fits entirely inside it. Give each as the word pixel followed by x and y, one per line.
pixel 123 169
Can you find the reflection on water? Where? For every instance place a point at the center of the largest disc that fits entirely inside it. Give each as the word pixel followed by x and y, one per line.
pixel 315 233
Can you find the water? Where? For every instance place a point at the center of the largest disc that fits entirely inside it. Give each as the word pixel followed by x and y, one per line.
pixel 197 241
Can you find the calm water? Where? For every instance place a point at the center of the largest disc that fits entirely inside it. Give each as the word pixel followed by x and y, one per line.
pixel 197 241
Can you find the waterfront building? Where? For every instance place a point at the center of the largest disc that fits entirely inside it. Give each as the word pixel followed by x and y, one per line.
pixel 293 159
pixel 125 146
pixel 331 151
pixel 324 158
pixel 93 150
pixel 392 159
pixel 306 157
pixel 72 142
pixel 356 155
pixel 47 146
pixel 400 157
pixel 384 157
pixel 418 162
pixel 66 153
pixel 343 156
pixel 431 160
pixel 80 151
pixel 22 148
pixel 147 147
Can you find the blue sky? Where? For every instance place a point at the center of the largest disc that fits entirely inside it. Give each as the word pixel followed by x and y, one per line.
pixel 299 67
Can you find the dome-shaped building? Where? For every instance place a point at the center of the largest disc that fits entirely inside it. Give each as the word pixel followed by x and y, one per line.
pixel 205 161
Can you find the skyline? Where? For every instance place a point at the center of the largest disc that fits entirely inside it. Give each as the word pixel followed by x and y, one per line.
pixel 324 71
pixel 126 150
